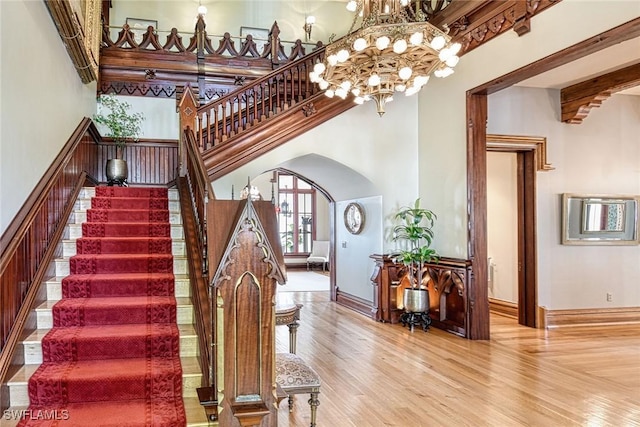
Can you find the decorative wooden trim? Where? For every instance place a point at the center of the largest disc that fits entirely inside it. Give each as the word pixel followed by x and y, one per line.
pixel 503 308
pixel 577 100
pixel 627 31
pixel 31 241
pixel 589 317
pixel 473 23
pixel 353 302
pixel 477 292
pixel 521 143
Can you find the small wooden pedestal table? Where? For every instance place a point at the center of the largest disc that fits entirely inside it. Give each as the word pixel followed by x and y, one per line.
pixel 288 313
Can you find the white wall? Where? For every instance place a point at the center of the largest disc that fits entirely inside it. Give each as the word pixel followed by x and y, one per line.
pixel 382 150
pixel 601 155
pixel 442 117
pixel 43 100
pixel 353 265
pixel 502 225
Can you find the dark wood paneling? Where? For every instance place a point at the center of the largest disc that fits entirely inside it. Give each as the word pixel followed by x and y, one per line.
pixel 478 315
pixel 624 32
pixel 150 162
pixel 353 302
pixel 29 243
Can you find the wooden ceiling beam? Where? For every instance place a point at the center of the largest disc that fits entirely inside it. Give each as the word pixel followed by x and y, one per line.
pixel 577 100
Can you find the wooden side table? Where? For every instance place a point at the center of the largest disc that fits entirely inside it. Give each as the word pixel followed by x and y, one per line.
pixel 288 313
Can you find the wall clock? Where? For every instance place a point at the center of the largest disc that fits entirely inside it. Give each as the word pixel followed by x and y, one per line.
pixel 354 218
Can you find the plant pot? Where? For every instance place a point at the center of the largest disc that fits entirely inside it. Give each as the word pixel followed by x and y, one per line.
pixel 415 300
pixel 117 172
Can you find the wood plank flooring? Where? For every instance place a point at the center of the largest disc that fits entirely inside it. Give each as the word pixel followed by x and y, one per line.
pixel 376 374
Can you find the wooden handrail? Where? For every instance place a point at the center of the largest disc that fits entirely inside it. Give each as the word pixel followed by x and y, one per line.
pixel 256 102
pixel 30 242
pixel 195 193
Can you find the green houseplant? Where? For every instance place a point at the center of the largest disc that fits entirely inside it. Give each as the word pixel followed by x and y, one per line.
pixel 123 126
pixel 416 234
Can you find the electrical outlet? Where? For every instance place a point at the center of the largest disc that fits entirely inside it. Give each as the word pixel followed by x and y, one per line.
pixel 609 297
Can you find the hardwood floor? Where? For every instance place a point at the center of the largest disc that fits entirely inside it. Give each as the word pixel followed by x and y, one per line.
pixel 376 374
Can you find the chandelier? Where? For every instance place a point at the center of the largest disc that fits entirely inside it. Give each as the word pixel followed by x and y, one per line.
pixel 394 50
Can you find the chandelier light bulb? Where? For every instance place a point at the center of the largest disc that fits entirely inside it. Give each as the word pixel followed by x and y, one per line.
pixel 310 20
pixel 358 100
pixel 445 54
pixel 416 38
pixel 405 72
pixel 455 48
pixel 340 92
pixel 313 76
pixel 400 46
pixel 343 55
pixel 374 80
pixel 420 81
pixel 360 44
pixel 323 84
pixel 352 5
pixel 319 68
pixel 382 42
pixel 346 85
pixel 332 60
pixel 400 88
pixel 355 91
pixel 329 93
pixel 411 91
pixel 438 42
pixel 404 2
pixel 202 10
pixel 452 61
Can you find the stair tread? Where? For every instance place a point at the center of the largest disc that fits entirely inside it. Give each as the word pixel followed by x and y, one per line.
pixel 180 301
pixel 190 367
pixel 33 337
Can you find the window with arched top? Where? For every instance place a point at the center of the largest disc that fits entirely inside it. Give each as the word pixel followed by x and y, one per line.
pixel 296 214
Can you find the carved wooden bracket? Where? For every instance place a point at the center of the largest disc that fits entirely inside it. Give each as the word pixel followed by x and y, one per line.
pixel 578 100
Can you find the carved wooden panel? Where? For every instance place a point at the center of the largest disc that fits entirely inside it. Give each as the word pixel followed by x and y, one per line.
pixel 447 282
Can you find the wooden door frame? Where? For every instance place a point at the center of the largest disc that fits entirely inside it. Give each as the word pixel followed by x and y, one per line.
pixel 531 157
pixel 476 108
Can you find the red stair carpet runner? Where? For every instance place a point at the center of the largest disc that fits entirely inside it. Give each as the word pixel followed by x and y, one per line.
pixel 112 357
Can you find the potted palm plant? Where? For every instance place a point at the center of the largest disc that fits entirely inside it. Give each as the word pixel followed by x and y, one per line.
pixel 416 233
pixel 122 126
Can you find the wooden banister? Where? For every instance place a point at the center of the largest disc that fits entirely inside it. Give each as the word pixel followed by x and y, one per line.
pixel 30 242
pixel 256 102
pixel 195 193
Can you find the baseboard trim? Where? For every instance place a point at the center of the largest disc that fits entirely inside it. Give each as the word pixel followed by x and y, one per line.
pixel 589 317
pixel 353 302
pixel 503 308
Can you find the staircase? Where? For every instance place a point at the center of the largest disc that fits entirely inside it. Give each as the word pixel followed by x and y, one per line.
pixel 32 342
pixel 235 129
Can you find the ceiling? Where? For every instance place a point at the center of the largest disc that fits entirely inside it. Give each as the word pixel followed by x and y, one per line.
pixel 602 62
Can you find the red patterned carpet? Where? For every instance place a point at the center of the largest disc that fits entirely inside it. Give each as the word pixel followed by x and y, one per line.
pixel 112 357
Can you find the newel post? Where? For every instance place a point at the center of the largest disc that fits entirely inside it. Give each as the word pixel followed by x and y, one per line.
pixel 274 42
pixel 187 113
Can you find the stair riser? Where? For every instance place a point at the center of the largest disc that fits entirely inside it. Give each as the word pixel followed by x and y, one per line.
pixel 74 231
pixel 20 394
pixel 54 288
pixel 84 204
pixel 69 248
pixel 63 269
pixel 80 216
pixel 184 316
pixel 33 349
